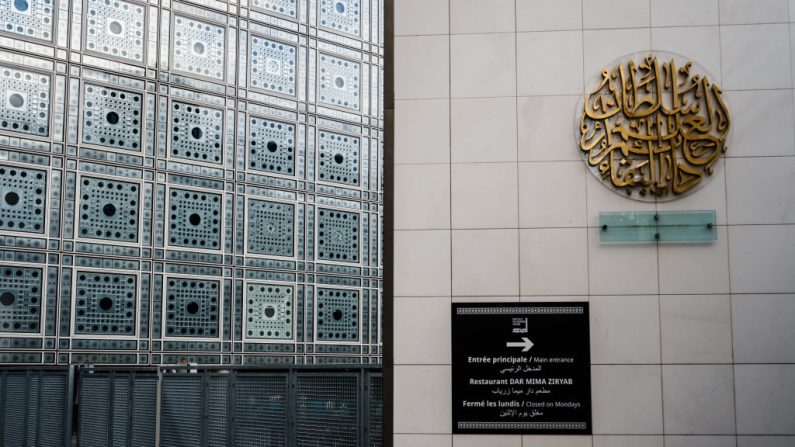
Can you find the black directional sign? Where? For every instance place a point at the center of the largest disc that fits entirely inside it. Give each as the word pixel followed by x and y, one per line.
pixel 521 368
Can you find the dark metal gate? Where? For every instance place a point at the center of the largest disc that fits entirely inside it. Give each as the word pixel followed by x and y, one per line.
pixel 192 406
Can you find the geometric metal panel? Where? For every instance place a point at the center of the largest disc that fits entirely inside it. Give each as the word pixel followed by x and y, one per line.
pixel 271 228
pixel 116 29
pixel 327 410
pixel 105 304
pixel 112 117
pixel 30 18
pixel 261 410
pixel 337 315
pixel 339 158
pixel 273 66
pixel 20 299
pixel 199 47
pixel 24 101
pixel 269 311
pixel 192 307
pixel 341 15
pixel 23 197
pixel 196 133
pixel 195 219
pixel 286 7
pixel 109 209
pixel 271 146
pixel 340 82
pixel 338 235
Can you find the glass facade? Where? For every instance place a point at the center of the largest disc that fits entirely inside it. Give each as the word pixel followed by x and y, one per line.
pixel 191 181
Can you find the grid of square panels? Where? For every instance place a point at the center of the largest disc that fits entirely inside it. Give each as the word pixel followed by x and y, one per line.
pixel 175 172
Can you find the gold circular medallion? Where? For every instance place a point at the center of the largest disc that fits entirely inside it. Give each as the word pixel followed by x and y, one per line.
pixel 652 126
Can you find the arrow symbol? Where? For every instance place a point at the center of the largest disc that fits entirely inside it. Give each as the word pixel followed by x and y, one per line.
pixel 526 344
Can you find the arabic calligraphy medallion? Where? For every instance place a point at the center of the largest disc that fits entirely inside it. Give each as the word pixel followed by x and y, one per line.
pixel 653 126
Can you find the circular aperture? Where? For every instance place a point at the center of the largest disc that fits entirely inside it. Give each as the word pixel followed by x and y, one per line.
pixel 340 7
pixel 196 132
pixel 337 315
pixel 339 159
pixel 198 48
pixel 7 298
pixel 195 219
pixel 272 146
pixel 270 311
pixel 21 5
pixel 12 198
pixel 192 307
pixel 339 82
pixel 115 27
pixel 16 100
pixel 112 117
pixel 105 303
pixel 109 209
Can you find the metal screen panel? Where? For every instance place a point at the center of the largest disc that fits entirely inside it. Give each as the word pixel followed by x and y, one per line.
pixel 116 408
pixel 52 410
pixel 376 413
pixel 261 411
pixel 33 408
pixel 93 414
pixel 181 411
pixel 217 389
pixel 144 411
pixel 327 410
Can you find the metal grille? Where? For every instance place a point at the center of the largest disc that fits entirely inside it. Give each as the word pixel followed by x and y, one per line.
pixel 144 411
pixel 327 411
pixel 376 413
pixel 94 416
pixel 181 411
pixel 261 411
pixel 33 405
pixel 217 389
pixel 199 407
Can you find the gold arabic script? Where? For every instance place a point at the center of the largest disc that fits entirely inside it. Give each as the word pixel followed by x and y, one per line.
pixel 653 129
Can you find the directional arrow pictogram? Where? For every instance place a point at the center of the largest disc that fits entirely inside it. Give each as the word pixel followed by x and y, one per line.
pixel 526 344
